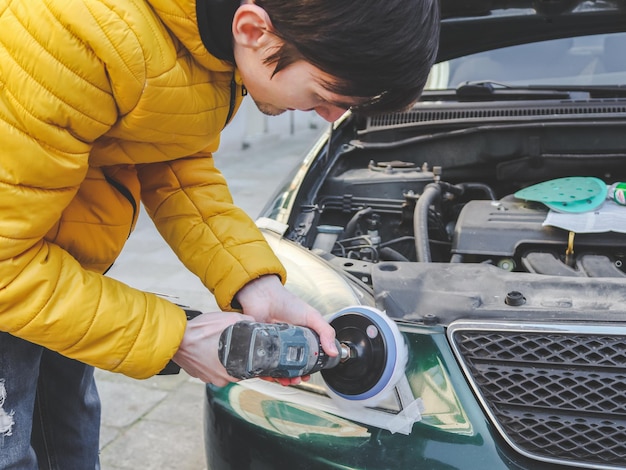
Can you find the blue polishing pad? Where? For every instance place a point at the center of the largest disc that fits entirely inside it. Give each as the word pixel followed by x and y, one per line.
pixel 573 194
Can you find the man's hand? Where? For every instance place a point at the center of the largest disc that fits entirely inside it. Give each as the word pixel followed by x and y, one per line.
pixel 197 353
pixel 268 301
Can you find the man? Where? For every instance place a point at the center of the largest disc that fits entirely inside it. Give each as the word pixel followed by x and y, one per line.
pixel 106 103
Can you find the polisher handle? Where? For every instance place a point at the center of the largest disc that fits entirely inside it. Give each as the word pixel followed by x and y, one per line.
pixel 280 350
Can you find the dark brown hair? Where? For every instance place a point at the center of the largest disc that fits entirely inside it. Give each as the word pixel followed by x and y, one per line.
pixel 381 50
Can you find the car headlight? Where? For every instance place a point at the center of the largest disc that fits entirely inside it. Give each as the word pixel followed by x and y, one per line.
pixel 425 393
pixel 425 398
pixel 315 281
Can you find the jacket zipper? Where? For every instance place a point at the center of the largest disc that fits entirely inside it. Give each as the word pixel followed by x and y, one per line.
pixel 231 109
pixel 124 191
pixel 233 98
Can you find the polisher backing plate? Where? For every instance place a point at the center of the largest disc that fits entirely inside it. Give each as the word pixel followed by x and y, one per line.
pixel 379 356
pixel 572 194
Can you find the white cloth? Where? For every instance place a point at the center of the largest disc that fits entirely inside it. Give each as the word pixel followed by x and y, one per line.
pixel 609 217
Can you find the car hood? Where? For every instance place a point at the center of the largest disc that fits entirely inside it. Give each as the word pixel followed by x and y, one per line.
pixel 474 26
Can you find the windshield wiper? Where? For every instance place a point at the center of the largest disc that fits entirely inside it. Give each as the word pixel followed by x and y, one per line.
pixel 594 91
pixel 491 91
pixel 488 89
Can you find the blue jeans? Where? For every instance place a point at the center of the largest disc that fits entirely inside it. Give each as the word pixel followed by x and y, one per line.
pixel 49 411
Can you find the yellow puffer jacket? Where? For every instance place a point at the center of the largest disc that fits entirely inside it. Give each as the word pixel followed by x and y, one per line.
pixel 104 103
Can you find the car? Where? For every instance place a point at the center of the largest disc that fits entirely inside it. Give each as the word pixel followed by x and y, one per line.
pixel 477 222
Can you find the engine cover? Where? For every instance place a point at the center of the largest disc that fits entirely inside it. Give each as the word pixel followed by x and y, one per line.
pixel 380 180
pixel 504 227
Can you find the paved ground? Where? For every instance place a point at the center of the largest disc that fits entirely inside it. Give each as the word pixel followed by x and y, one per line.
pixel 157 423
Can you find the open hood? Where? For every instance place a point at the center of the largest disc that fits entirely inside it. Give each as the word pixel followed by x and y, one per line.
pixel 474 26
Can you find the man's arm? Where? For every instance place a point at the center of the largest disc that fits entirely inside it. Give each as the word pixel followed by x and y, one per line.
pixel 192 208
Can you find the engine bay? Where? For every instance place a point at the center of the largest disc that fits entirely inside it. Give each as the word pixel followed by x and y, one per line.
pixel 400 211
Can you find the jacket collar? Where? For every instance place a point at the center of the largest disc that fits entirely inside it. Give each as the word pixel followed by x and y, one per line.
pixel 182 18
pixel 215 18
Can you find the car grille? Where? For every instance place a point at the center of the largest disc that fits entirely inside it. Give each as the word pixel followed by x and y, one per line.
pixel 556 393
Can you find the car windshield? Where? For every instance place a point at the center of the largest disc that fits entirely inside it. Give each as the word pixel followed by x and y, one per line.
pixel 579 61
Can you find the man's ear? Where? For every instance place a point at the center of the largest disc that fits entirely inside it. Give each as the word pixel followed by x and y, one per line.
pixel 251 26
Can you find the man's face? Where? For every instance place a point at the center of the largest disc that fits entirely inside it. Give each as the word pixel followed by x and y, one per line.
pixel 300 86
pixel 297 87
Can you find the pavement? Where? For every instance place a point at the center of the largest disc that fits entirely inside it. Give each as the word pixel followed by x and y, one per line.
pixel 158 423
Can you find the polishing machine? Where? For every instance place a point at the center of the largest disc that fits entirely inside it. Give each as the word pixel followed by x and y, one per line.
pixel 371 360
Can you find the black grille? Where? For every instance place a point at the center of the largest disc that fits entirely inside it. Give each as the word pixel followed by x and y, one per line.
pixel 555 396
pixel 482 112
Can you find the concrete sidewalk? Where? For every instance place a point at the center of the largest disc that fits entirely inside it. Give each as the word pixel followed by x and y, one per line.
pixel 157 423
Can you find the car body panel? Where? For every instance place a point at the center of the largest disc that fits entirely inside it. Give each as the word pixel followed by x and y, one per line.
pixel 452 432
pixel 249 429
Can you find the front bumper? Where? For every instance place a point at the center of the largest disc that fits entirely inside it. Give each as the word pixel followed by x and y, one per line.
pixel 248 429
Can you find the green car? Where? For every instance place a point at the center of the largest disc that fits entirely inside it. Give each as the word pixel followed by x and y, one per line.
pixel 486 223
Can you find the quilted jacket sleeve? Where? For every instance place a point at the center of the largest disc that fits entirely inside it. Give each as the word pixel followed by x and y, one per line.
pixel 193 210
pixel 55 100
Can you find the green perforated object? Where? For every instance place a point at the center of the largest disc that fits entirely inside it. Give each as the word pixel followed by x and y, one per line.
pixel 572 194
